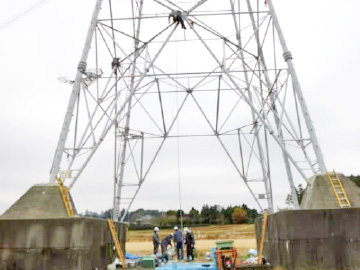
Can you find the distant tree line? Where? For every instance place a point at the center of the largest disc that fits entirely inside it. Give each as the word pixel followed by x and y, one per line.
pixel 208 215
pixel 300 190
pixel 355 179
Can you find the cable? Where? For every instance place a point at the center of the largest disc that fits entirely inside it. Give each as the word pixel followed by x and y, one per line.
pixel 178 143
pixel 23 13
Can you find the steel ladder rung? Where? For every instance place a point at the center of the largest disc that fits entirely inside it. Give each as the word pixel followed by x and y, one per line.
pixel 340 193
pixel 116 242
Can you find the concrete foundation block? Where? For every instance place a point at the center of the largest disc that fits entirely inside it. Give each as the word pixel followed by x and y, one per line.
pixel 313 239
pixel 51 244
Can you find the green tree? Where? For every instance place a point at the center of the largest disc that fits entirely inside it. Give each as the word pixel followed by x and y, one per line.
pixel 179 215
pixel 107 214
pixel 213 214
pixel 136 215
pixel 91 214
pixel 220 218
pixel 186 219
pixel 239 216
pixel 159 221
pixel 300 191
pixel 355 179
pixel 252 215
pixel 205 214
pixel 171 212
pixel 194 216
pixel 227 212
pixel 171 220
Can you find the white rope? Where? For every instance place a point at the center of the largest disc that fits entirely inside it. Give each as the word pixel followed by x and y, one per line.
pixel 178 141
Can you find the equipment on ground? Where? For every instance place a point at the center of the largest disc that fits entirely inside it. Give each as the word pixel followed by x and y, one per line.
pixel 148 262
pixel 226 258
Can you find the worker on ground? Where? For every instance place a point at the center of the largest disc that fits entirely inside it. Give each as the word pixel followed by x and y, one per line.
pixel 177 16
pixel 178 240
pixel 190 244
pixel 156 240
pixel 164 244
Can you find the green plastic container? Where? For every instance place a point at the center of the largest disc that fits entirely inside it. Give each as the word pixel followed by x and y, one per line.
pixel 228 244
pixel 148 262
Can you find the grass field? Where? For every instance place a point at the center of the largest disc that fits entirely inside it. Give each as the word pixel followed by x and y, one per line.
pixel 140 241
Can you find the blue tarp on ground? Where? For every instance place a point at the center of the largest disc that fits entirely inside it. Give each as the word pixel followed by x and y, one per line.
pixel 184 266
pixel 130 256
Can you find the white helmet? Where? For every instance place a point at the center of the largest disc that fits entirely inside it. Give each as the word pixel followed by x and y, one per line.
pixel 156 229
pixel 176 228
pixel 186 229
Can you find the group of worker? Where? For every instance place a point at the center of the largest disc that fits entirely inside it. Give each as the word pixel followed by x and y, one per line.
pixel 179 241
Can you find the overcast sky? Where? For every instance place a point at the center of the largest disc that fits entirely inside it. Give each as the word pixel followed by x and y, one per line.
pixel 323 36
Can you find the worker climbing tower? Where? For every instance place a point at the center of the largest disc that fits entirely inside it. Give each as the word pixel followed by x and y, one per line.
pixel 229 75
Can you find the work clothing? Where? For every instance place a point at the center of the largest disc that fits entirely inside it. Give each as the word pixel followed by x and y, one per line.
pixel 177 17
pixel 164 244
pixel 156 242
pixel 178 239
pixel 115 64
pixel 190 244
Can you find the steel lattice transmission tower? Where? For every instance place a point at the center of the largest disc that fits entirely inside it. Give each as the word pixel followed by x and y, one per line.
pixel 230 75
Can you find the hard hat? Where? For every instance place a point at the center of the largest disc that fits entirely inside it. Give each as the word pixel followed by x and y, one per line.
pixel 186 229
pixel 176 228
pixel 156 229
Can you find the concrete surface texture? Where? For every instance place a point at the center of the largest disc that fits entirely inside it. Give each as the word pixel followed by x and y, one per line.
pixel 52 244
pixel 36 233
pixel 40 201
pixel 313 239
pixel 320 195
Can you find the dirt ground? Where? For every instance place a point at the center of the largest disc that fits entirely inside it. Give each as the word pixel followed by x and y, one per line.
pixel 140 242
pixel 202 246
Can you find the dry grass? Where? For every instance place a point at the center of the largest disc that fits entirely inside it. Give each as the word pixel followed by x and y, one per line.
pixel 140 242
pixel 208 232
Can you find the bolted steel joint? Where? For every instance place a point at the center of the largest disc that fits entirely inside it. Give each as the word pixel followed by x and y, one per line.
pixel 82 67
pixel 287 56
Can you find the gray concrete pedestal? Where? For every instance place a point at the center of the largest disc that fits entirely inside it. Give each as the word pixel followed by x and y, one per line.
pixel 36 234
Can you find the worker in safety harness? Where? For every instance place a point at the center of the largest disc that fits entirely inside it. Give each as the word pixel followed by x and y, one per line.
pixel 115 64
pixel 156 240
pixel 164 244
pixel 177 17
